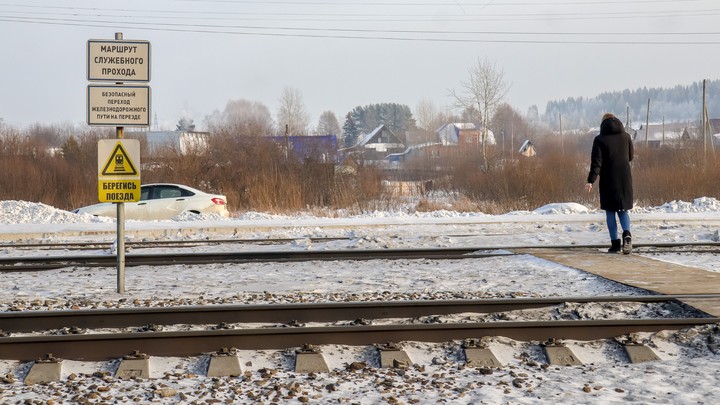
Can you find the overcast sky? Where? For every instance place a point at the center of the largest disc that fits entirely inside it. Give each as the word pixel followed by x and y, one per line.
pixel 345 53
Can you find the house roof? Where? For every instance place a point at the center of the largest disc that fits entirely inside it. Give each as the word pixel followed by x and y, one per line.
pixel 449 134
pixel 459 126
pixel 369 137
pixel 415 147
pixel 656 132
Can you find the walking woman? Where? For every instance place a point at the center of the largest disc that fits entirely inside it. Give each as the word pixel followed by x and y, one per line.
pixel 612 152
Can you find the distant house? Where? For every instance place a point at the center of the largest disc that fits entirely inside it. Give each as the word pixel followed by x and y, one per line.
pixel 662 134
pixel 319 148
pixel 428 150
pixel 463 134
pixel 450 140
pixel 419 137
pixel 181 141
pixel 527 149
pixel 375 147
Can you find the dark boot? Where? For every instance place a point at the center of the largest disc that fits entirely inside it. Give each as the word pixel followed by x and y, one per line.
pixel 615 246
pixel 626 243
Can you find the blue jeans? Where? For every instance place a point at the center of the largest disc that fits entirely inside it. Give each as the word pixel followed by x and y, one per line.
pixel 612 222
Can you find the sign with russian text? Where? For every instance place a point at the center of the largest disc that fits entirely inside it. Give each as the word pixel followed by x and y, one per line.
pixel 118 60
pixel 118 170
pixel 118 105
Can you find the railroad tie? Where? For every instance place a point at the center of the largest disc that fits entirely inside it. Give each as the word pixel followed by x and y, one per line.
pixel 558 354
pixel 224 363
pixel 392 356
pixel 47 369
pixel 309 359
pixel 134 365
pixel 478 354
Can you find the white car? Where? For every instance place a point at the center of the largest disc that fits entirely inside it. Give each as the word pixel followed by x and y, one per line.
pixel 163 201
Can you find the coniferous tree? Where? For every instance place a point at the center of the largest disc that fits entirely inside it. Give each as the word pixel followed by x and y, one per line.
pixel 396 117
pixel 350 131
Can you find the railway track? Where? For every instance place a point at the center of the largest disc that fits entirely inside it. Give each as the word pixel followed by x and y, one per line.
pixel 278 241
pixel 164 259
pixel 104 346
pixel 27 321
pixel 161 243
pixel 187 258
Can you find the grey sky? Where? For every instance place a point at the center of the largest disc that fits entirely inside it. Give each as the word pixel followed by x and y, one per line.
pixel 206 52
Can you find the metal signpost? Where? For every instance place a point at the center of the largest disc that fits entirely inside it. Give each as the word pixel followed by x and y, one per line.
pixel 118 105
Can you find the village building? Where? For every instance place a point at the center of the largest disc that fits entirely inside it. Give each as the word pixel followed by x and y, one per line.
pixel 667 134
pixel 375 147
pixel 316 148
pixel 184 142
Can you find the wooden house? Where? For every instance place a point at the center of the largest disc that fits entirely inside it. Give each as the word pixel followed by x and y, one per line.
pixel 375 147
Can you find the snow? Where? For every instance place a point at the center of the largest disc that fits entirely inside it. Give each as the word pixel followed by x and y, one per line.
pixel 686 373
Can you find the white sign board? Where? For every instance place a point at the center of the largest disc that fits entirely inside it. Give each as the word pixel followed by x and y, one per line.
pixel 118 60
pixel 118 106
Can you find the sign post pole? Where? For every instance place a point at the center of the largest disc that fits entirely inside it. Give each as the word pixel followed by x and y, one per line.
pixel 120 218
pixel 120 233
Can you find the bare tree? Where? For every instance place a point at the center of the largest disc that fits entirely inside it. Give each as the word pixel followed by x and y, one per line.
pixel 481 94
pixel 328 124
pixel 510 128
pixel 429 118
pixel 242 118
pixel 426 115
pixel 292 114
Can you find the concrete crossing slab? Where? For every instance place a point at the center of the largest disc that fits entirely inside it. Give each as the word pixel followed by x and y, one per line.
pixel 641 272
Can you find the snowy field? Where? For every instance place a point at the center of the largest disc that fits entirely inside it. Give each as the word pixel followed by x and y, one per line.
pixel 687 374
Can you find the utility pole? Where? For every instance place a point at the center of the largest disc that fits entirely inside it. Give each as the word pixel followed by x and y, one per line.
pixel 502 133
pixel 704 123
pixel 512 140
pixel 663 131
pixel 627 117
pixel 647 123
pixel 287 142
pixel 562 140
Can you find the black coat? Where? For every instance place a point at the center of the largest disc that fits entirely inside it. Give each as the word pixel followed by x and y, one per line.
pixel 612 152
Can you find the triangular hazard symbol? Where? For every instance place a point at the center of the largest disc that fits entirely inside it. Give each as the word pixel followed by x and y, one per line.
pixel 119 163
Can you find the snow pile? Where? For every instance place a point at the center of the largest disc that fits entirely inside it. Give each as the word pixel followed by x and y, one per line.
pixel 703 204
pixel 562 208
pixel 260 216
pixel 23 212
pixel 191 216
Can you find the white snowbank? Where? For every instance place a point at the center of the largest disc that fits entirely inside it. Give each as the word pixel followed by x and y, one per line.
pixel 23 212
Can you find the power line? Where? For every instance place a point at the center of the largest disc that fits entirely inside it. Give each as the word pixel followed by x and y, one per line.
pixel 151 27
pixel 388 31
pixel 462 18
pixel 505 17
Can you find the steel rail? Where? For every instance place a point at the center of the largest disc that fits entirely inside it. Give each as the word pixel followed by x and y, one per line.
pixel 157 259
pixel 97 347
pixel 29 321
pixel 163 243
pixel 272 241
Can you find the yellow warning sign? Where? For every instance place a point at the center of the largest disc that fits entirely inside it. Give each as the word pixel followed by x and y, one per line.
pixel 118 174
pixel 119 190
pixel 119 163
